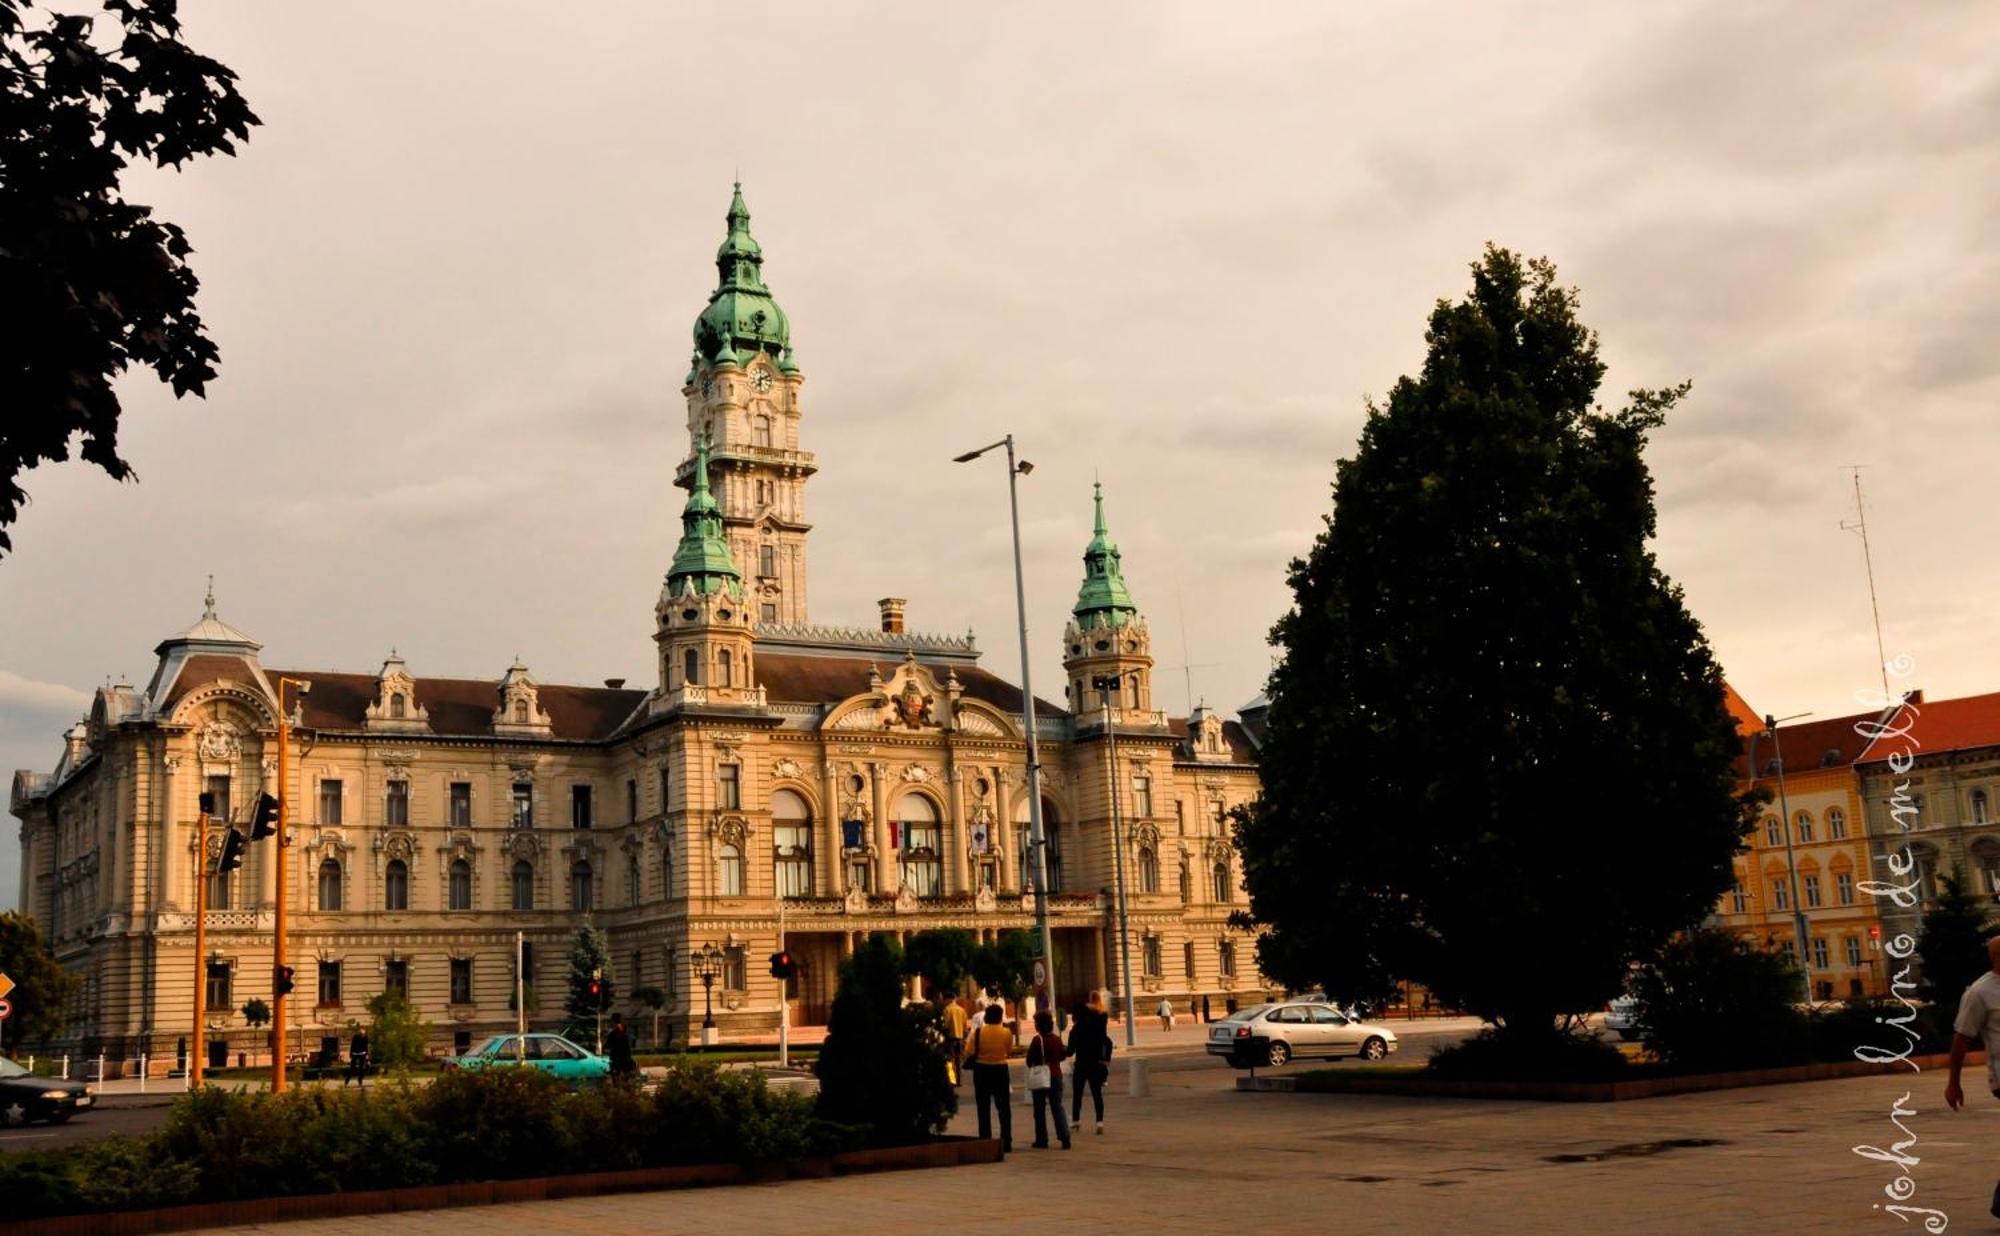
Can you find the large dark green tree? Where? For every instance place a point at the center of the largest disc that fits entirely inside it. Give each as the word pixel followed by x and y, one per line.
pixel 90 283
pixel 1498 761
pixel 1951 944
pixel 42 988
pixel 589 962
pixel 883 1062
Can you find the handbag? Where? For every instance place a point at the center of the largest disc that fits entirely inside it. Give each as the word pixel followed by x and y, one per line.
pixel 1038 1068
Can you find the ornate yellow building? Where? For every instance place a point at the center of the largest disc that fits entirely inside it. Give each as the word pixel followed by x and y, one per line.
pixel 866 780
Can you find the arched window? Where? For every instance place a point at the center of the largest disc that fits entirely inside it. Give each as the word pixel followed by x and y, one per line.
pixel 728 871
pixel 524 885
pixel 396 885
pixel 760 431
pixel 1051 834
pixel 1149 870
pixel 329 884
pixel 1979 809
pixel 919 842
pixel 396 704
pixel 725 671
pixel 1774 830
pixel 667 870
pixel 1187 882
pixel 1804 821
pixel 460 881
pixel 632 879
pixel 791 839
pixel 1220 877
pixel 1053 829
pixel 520 712
pixel 579 885
pixel 1226 957
pixel 690 668
pixel 1836 823
pixel 1132 691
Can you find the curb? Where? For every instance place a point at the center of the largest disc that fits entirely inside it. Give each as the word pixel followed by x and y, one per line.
pixel 946 1152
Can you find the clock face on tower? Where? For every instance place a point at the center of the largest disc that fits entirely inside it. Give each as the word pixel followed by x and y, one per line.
pixel 762 381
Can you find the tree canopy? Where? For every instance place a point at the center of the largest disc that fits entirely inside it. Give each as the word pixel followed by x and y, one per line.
pixel 91 284
pixel 589 953
pixel 42 988
pixel 883 1064
pixel 1498 760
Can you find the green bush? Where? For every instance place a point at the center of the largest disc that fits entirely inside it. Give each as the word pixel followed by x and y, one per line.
pixel 883 1066
pixel 397 1036
pixel 1554 1057
pixel 1713 1002
pixel 1838 1030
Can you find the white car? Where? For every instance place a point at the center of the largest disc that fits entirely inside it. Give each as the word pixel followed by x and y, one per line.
pixel 1622 1015
pixel 1273 1034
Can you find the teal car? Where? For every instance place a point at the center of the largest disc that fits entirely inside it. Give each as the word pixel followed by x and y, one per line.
pixel 551 1053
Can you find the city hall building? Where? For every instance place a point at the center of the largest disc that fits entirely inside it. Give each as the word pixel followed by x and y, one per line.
pixel 865 779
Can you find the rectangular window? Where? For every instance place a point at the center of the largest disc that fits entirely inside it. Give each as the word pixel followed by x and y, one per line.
pixel 396 977
pixel 794 858
pixel 1226 954
pixel 461 804
pixel 218 987
pixel 524 805
pixel 579 806
pixel 329 983
pixel 1805 827
pixel 728 788
pixel 398 814
pixel 735 973
pixel 218 790
pixel 329 801
pixel 1215 813
pixel 1854 950
pixel 1738 900
pixel 666 784
pixel 1151 956
pixel 461 980
pixel 673 982
pixel 1781 897
pixel 1843 888
pixel 767 560
pixel 1790 949
pixel 767 613
pixel 858 877
pixel 631 802
pixel 634 979
pixel 526 962
pixel 1142 797
pixel 1819 952
pixel 1811 890
pixel 1180 817
pixel 1187 960
pixel 1836 823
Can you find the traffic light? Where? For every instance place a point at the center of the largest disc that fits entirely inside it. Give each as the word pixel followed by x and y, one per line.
pixel 783 966
pixel 281 980
pixel 207 803
pixel 596 989
pixel 264 817
pixel 232 852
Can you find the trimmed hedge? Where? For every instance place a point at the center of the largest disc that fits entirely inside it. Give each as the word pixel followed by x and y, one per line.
pixel 220 1145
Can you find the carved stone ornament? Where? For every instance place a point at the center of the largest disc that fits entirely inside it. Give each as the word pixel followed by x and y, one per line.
pixel 733 1000
pixel 787 767
pixel 984 901
pixel 401 845
pixel 911 708
pixel 971 722
pixel 856 902
pixel 919 774
pixel 218 740
pixel 1146 835
pixel 906 900
pixel 1149 982
pixel 732 829
pixel 523 844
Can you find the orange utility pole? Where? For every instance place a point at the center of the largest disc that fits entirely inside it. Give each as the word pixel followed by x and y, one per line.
pixel 200 940
pixel 278 952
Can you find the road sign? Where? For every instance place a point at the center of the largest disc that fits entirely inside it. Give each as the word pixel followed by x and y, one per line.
pixel 5 1008
pixel 1041 982
pixel 6 985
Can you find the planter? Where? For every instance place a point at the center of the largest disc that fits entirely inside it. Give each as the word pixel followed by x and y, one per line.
pixel 947 1152
pixel 1422 1085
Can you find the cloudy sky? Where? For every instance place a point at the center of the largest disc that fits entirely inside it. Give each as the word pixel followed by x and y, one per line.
pixel 454 273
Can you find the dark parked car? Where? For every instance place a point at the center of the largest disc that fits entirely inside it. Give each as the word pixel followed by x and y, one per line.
pixel 25 1097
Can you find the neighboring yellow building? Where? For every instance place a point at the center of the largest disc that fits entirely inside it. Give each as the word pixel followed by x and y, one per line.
pixel 873 780
pixel 1814 867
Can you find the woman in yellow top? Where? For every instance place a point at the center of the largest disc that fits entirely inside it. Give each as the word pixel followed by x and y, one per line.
pixel 990 1045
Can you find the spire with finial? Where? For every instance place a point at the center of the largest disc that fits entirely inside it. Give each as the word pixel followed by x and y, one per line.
pixel 741 318
pixel 702 560
pixel 1103 600
pixel 208 602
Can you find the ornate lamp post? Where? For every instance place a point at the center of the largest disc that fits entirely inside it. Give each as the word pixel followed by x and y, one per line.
pixel 708 964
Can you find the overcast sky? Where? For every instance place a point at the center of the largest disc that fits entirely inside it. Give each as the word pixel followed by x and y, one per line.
pixel 453 278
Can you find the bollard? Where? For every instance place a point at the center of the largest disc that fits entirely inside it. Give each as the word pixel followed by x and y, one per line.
pixel 65 1072
pixel 1138 1085
pixel 31 1064
pixel 100 1069
pixel 142 1072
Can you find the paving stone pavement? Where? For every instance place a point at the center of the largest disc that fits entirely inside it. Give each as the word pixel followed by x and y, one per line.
pixel 1198 1157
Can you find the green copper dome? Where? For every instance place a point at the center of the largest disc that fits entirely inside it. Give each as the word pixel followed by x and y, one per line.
pixel 1103 600
pixel 702 559
pixel 741 317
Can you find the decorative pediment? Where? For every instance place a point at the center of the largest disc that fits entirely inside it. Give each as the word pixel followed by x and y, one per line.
pixel 395 709
pixel 1205 740
pixel 1217 850
pixel 730 830
pixel 1146 835
pixel 401 843
pixel 520 712
pixel 524 844
pixel 219 741
pixel 584 848
pixel 911 699
pixel 332 840
pixel 919 774
pixel 663 833
pixel 459 845
pixel 788 768
pixel 974 720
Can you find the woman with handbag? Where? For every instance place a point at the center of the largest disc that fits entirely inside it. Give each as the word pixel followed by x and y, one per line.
pixel 1089 1053
pixel 1045 1057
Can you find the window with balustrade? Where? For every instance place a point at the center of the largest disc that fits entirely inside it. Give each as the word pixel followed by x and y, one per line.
pixel 919 845
pixel 791 839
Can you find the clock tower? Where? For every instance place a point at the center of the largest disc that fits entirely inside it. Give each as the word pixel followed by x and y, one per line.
pixel 1106 641
pixel 742 392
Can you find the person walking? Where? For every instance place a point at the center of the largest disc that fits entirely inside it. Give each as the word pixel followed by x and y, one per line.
pixel 1166 1014
pixel 618 1049
pixel 990 1045
pixel 1090 1054
pixel 1046 1052
pixel 1978 1025
pixel 956 1026
pixel 357 1060
pixel 1205 1016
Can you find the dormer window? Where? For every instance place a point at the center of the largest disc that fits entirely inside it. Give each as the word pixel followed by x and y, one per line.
pixel 520 712
pixel 397 709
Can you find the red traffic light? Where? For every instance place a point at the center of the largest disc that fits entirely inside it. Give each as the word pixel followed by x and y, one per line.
pixel 281 980
pixel 596 987
pixel 1874 931
pixel 782 965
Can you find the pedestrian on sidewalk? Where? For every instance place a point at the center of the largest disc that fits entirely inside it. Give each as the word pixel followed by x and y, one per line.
pixel 990 1045
pixel 1205 1016
pixel 1166 1014
pixel 1046 1052
pixel 357 1060
pixel 1978 1025
pixel 957 1025
pixel 1090 1055
pixel 618 1049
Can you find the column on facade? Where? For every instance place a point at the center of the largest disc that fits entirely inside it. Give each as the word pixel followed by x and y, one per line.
pixel 169 892
pixel 1103 972
pixel 828 873
pixel 885 854
pixel 1006 850
pixel 961 841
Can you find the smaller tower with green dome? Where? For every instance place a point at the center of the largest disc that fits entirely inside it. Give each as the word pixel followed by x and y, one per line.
pixel 703 622
pixel 1107 638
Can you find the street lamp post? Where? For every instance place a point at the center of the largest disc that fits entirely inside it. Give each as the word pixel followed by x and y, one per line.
pixel 1791 862
pixel 278 950
pixel 1037 843
pixel 708 964
pixel 1106 684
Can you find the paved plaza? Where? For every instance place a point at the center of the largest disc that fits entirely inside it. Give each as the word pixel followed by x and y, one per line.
pixel 1196 1156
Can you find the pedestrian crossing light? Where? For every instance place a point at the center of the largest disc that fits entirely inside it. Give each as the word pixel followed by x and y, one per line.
pixel 783 966
pixel 264 817
pixel 232 852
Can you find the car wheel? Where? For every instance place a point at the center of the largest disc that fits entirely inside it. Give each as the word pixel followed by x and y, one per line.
pixel 1374 1049
pixel 1278 1054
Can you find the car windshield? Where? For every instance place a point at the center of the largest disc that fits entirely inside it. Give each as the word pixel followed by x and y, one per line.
pixel 1246 1014
pixel 491 1047
pixel 9 1069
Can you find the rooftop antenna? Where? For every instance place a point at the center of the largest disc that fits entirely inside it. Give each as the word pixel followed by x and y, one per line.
pixel 1859 524
pixel 1186 668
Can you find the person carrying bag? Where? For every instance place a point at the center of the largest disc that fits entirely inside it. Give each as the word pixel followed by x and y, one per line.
pixel 990 1046
pixel 1045 1057
pixel 1090 1051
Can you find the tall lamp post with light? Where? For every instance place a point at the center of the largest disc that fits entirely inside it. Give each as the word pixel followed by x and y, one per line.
pixel 708 964
pixel 1038 869
pixel 1107 687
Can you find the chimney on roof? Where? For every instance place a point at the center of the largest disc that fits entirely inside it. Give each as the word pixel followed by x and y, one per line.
pixel 614 683
pixel 892 614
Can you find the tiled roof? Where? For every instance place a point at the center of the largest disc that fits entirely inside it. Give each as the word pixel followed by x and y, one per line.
pixel 1241 749
pixel 206 668
pixel 1739 710
pixel 795 678
pixel 1807 745
pixel 462 706
pixel 1936 726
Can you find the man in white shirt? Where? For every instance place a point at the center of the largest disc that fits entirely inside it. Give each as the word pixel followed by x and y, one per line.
pixel 1978 1024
